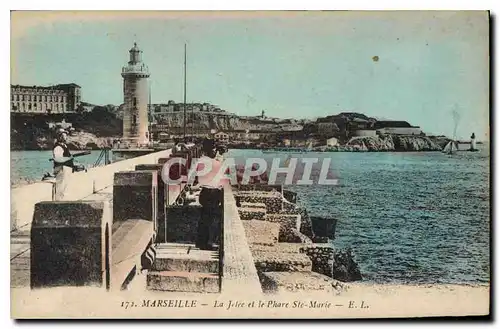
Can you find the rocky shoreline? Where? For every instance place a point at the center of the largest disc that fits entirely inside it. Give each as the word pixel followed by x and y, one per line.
pixel 77 141
pixel 288 254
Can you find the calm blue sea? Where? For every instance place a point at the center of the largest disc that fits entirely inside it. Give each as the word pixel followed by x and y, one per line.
pixel 31 165
pixel 408 217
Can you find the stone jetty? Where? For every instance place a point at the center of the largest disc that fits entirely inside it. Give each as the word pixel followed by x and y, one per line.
pixel 120 228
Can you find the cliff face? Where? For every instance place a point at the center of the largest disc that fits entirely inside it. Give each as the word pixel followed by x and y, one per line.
pixel 397 143
pixel 207 121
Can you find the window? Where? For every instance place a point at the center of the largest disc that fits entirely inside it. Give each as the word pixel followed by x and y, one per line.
pixel 135 101
pixel 134 119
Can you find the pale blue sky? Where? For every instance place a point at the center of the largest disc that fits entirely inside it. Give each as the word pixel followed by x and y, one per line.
pixel 295 64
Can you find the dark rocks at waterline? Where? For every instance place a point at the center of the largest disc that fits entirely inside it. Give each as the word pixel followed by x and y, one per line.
pixel 323 227
pixel 344 266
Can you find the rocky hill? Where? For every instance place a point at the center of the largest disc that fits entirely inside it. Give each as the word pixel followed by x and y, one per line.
pixel 398 143
pixel 99 126
pixel 211 120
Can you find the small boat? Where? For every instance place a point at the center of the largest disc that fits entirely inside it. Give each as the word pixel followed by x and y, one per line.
pixel 451 147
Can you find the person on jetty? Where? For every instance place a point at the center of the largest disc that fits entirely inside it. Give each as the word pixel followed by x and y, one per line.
pixel 60 153
pixel 63 164
pixel 210 196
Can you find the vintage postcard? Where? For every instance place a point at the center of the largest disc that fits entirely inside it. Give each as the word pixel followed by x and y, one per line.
pixel 286 164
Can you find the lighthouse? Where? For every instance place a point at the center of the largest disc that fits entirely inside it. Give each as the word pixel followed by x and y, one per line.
pixel 473 142
pixel 135 98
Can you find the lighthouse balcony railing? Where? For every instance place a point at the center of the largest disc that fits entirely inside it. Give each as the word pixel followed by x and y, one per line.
pixel 135 69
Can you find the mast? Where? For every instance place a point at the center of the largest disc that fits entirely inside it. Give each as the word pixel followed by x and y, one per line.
pixel 150 115
pixel 185 57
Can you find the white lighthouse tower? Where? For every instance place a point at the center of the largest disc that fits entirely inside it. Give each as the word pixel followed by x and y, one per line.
pixel 473 142
pixel 135 97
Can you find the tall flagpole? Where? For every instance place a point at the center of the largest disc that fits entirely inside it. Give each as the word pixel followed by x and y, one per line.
pixel 150 117
pixel 185 56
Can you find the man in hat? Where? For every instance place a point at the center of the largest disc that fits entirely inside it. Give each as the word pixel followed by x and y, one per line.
pixel 60 153
pixel 63 163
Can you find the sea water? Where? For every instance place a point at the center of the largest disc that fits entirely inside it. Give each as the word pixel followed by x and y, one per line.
pixel 420 217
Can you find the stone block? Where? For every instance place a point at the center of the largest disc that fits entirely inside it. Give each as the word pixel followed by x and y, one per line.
pixel 270 261
pixel 162 191
pixel 287 223
pixel 261 232
pixel 183 282
pixel 252 205
pixel 305 282
pixel 70 241
pixel 186 259
pixel 294 236
pixel 252 213
pixel 272 200
pixel 163 160
pixel 135 195
pixel 261 187
pixel 280 247
pixel 321 258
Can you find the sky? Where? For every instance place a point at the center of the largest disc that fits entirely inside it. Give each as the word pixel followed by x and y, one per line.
pixel 420 67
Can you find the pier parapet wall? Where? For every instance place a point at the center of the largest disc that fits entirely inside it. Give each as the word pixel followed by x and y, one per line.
pixel 80 186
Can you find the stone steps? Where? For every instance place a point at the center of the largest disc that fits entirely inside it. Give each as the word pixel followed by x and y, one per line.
pixel 183 281
pixel 192 260
pixel 252 205
pixel 182 267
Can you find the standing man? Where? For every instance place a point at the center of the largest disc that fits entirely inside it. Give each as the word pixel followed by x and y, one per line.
pixel 211 197
pixel 63 164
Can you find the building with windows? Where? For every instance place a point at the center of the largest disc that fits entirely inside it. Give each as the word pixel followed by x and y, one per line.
pixel 61 98
pixel 387 127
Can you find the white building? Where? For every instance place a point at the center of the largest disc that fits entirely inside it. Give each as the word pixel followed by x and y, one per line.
pixel 332 142
pixel 365 132
pixel 396 128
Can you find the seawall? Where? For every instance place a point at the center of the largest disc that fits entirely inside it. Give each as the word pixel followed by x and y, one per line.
pixel 80 186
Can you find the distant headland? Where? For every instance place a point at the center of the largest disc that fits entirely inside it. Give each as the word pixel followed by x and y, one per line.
pixel 98 126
